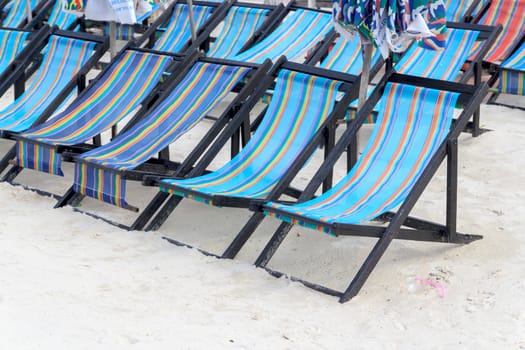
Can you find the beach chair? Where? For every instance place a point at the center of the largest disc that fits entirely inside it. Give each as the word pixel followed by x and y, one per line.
pixel 132 154
pixel 508 14
pixel 237 27
pixel 301 117
pixel 67 58
pixel 171 32
pixel 462 10
pixel 511 75
pixel 12 43
pixel 413 136
pixel 54 15
pixel 300 30
pixel 117 91
pixel 16 16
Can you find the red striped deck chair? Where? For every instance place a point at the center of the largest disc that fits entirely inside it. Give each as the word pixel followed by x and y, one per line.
pixel 509 14
pixel 412 137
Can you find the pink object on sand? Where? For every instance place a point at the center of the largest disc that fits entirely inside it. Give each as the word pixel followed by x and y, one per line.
pixel 442 291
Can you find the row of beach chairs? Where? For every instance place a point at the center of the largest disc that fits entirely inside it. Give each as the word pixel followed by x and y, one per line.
pixel 161 85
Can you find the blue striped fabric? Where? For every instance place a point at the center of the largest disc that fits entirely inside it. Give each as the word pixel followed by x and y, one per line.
pixel 299 32
pixel 456 9
pixel 413 123
pixel 61 18
pixel 512 73
pixel 201 90
pixel 115 95
pixel 346 56
pixel 178 32
pixel 18 13
pixel 239 25
pixel 443 65
pixel 300 104
pixel 63 58
pixel 12 42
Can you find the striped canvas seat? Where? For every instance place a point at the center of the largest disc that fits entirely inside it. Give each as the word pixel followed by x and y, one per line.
pixel 512 73
pixel 178 31
pixel 412 124
pixel 346 56
pixel 300 104
pixel 239 25
pixel 115 95
pixel 201 90
pixel 442 65
pixel 18 13
pixel 456 9
pixel 510 14
pixel 63 58
pixel 61 18
pixel 299 31
pixel 12 42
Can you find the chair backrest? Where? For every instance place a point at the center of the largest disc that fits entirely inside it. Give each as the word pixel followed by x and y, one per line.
pixel 510 14
pixel 63 58
pixel 299 106
pixel 132 76
pixel 444 64
pixel 201 90
pixel 61 18
pixel 18 13
pixel 512 73
pixel 412 124
pixel 12 42
pixel 456 9
pixel 178 31
pixel 346 56
pixel 239 25
pixel 299 31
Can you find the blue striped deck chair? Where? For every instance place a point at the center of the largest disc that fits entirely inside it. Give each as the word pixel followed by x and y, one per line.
pixel 512 73
pixel 345 56
pixel 300 31
pixel 412 137
pixel 239 25
pixel 12 43
pixel 444 64
pixel 178 33
pixel 98 173
pixel 116 94
pixel 300 105
pixel 294 125
pixel 17 15
pixel 458 10
pixel 63 58
pixel 62 19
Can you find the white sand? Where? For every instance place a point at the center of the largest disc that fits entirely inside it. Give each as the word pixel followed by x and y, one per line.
pixel 68 281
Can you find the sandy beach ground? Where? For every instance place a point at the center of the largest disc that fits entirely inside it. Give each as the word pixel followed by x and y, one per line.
pixel 68 281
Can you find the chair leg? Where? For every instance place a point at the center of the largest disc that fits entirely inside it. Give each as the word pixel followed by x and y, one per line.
pixel 367 267
pixel 11 174
pixel 148 212
pixel 243 236
pixel 67 198
pixel 164 212
pixel 274 243
pixel 4 162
